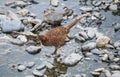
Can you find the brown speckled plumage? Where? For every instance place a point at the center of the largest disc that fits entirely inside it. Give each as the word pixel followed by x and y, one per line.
pixel 56 36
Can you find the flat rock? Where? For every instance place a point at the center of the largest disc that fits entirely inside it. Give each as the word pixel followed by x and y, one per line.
pixel 86 9
pixel 33 49
pixel 72 59
pixel 21 67
pixel 88 46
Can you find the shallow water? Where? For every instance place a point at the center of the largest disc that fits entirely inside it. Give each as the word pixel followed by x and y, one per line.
pixel 19 56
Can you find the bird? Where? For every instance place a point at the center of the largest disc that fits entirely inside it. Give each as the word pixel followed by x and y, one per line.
pixel 56 36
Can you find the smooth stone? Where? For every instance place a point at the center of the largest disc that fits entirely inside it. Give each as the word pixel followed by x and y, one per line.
pixel 109 46
pixel 105 57
pixel 116 26
pixel 23 12
pixel 40 67
pixel 107 73
pixel 117 45
pixel 54 3
pixel 96 3
pixel 102 41
pixel 22 38
pixel 95 73
pixel 113 7
pixel 116 59
pixel 8 25
pixel 117 1
pixel 72 59
pixel 116 75
pixel 111 56
pixel 99 70
pixel 79 38
pixel 96 51
pixel 114 67
pixel 88 54
pixel 21 67
pixel 91 34
pixel 37 73
pixel 88 46
pixel 30 64
pixel 33 49
pixel 86 9
pixel 83 34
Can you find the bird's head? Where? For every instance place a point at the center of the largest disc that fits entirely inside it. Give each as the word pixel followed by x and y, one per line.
pixel 42 38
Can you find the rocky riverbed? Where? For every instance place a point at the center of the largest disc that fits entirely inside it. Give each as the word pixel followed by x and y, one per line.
pixel 92 48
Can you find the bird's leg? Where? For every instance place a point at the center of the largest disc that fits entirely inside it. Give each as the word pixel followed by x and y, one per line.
pixel 55 51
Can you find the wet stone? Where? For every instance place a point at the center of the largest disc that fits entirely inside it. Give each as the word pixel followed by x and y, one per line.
pixel 89 46
pixel 21 67
pixel 40 67
pixel 37 73
pixel 72 59
pixel 33 49
pixel 97 52
pixel 30 64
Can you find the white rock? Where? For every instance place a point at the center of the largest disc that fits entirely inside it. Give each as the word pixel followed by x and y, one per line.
pixel 33 49
pixel 22 38
pixel 102 41
pixel 23 12
pixel 90 33
pixel 105 57
pixel 37 73
pixel 40 66
pixel 30 64
pixel 8 25
pixel 89 46
pixel 21 68
pixel 114 67
pixel 84 35
pixel 86 9
pixel 54 2
pixel 113 7
pixel 72 59
pixel 99 70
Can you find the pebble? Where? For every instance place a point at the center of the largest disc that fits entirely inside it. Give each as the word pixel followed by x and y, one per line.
pixel 79 38
pixel 23 12
pixel 22 38
pixel 30 64
pixel 105 57
pixel 33 49
pixel 116 26
pixel 37 73
pixel 99 70
pixel 84 35
pixel 96 51
pixel 95 73
pixel 109 46
pixel 72 59
pixel 114 67
pixel 116 59
pixel 86 9
pixel 40 67
pixel 117 45
pixel 113 7
pixel 29 76
pixel 91 34
pixel 102 41
pixel 21 67
pixel 88 46
pixel 107 73
pixel 54 3
pixel 96 3
pixel 9 25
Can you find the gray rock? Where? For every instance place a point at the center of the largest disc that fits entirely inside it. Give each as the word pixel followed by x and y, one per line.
pixel 33 49
pixel 116 26
pixel 30 64
pixel 8 25
pixel 83 34
pixel 86 9
pixel 113 7
pixel 119 53
pixel 116 75
pixel 37 73
pixel 54 2
pixel 117 45
pixel 109 46
pixel 91 34
pixel 29 76
pixel 72 59
pixel 96 51
pixel 88 46
pixel 79 38
pixel 107 73
pixel 22 38
pixel 114 67
pixel 40 67
pixel 96 3
pixel 21 67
